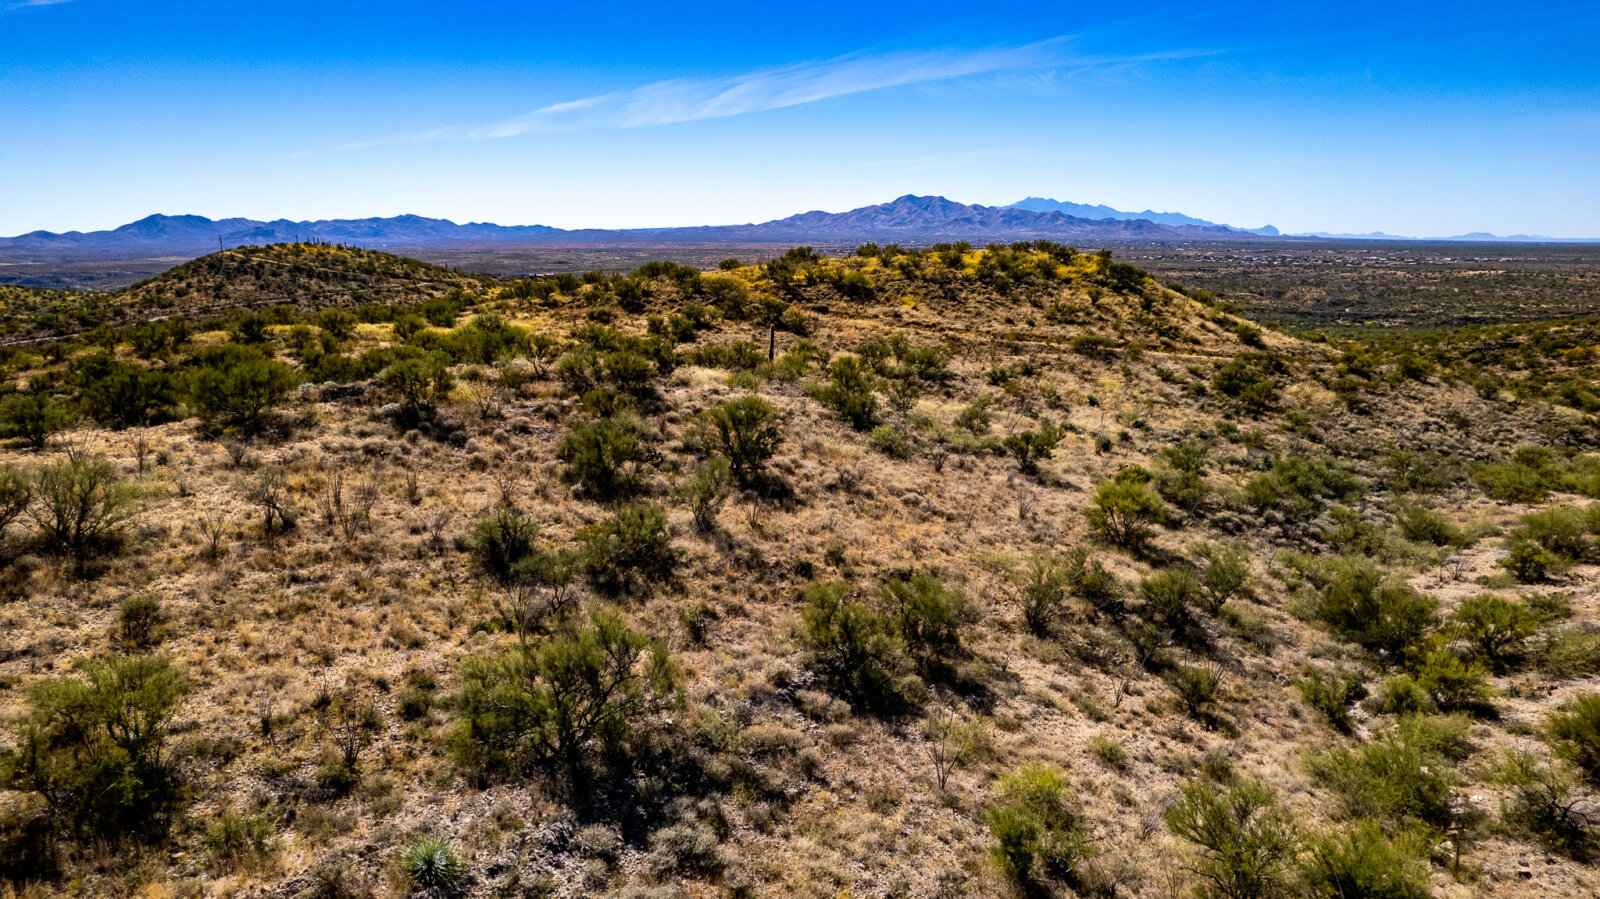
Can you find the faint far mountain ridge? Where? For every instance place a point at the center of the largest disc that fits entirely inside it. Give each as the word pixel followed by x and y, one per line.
pixel 1082 210
pixel 908 218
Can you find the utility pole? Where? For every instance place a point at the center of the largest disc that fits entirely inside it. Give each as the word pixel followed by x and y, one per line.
pixel 219 243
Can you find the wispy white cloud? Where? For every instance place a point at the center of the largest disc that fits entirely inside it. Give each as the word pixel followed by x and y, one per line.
pixel 695 99
pixel 14 5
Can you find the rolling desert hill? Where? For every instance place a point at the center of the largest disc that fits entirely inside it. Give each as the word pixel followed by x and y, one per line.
pixel 940 572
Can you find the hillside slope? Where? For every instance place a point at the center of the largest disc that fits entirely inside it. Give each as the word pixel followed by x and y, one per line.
pixel 937 573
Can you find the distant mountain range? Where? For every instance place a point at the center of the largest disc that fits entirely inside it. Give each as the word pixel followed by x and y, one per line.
pixel 1039 204
pixel 909 219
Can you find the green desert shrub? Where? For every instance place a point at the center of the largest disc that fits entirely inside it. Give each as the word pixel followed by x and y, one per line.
pixel 1332 696
pixel 1252 379
pixel 1039 834
pixel 857 650
pixel 80 505
pixel 1496 628
pixel 1041 593
pixel 1528 477
pixel 15 491
pixel 1299 488
pixel 1388 618
pixel 33 417
pixel 1423 525
pixel 237 387
pixel 632 552
pixel 1362 860
pixel 930 616
pixel 422 383
pixel 1089 580
pixel 746 431
pixel 1573 732
pixel 1544 804
pixel 94 747
pixel 499 542
pixel 565 705
pixel 1030 448
pixel 1224 575
pixel 603 458
pixel 849 392
pixel 1452 684
pixel 1124 510
pixel 1171 599
pixel 888 440
pixel 1400 778
pixel 1247 841
pixel 1198 689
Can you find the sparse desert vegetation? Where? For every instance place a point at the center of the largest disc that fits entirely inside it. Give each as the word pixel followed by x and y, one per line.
pixel 938 572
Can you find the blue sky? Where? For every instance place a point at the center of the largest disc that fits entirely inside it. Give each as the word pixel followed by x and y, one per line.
pixel 1413 118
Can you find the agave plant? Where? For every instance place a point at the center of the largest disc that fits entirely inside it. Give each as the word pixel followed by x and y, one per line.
pixel 432 862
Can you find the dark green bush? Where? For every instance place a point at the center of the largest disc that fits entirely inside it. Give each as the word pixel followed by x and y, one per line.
pixel 1247 840
pixel 80 506
pixel 1453 685
pixel 422 382
pixel 604 457
pixel 500 542
pixel 33 417
pixel 849 392
pixel 15 492
pixel 1361 860
pixel 565 705
pixel 747 432
pixel 1040 836
pixel 1299 488
pixel 856 649
pixel 1090 581
pixel 1251 378
pixel 1198 689
pixel 1332 696
pixel 929 615
pixel 1030 448
pixel 630 553
pixel 1042 593
pixel 94 747
pixel 1497 628
pixel 1543 805
pixel 238 387
pixel 888 440
pixel 1390 619
pixel 1171 597
pixel 139 621
pixel 1399 778
pixel 1123 511
pixel 124 394
pixel 1426 526
pixel 1573 732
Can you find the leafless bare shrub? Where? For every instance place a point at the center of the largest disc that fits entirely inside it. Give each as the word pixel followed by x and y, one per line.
pixel 238 453
pixel 142 449
pixel 270 494
pixel 214 528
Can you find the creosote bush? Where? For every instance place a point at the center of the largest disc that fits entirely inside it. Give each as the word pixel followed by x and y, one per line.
pixel 1247 840
pixel 94 748
pixel 856 649
pixel 1574 733
pixel 1124 510
pixel 563 706
pixel 1039 835
pixel 746 432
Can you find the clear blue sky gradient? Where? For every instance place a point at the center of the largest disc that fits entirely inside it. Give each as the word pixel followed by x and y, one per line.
pixel 1411 118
